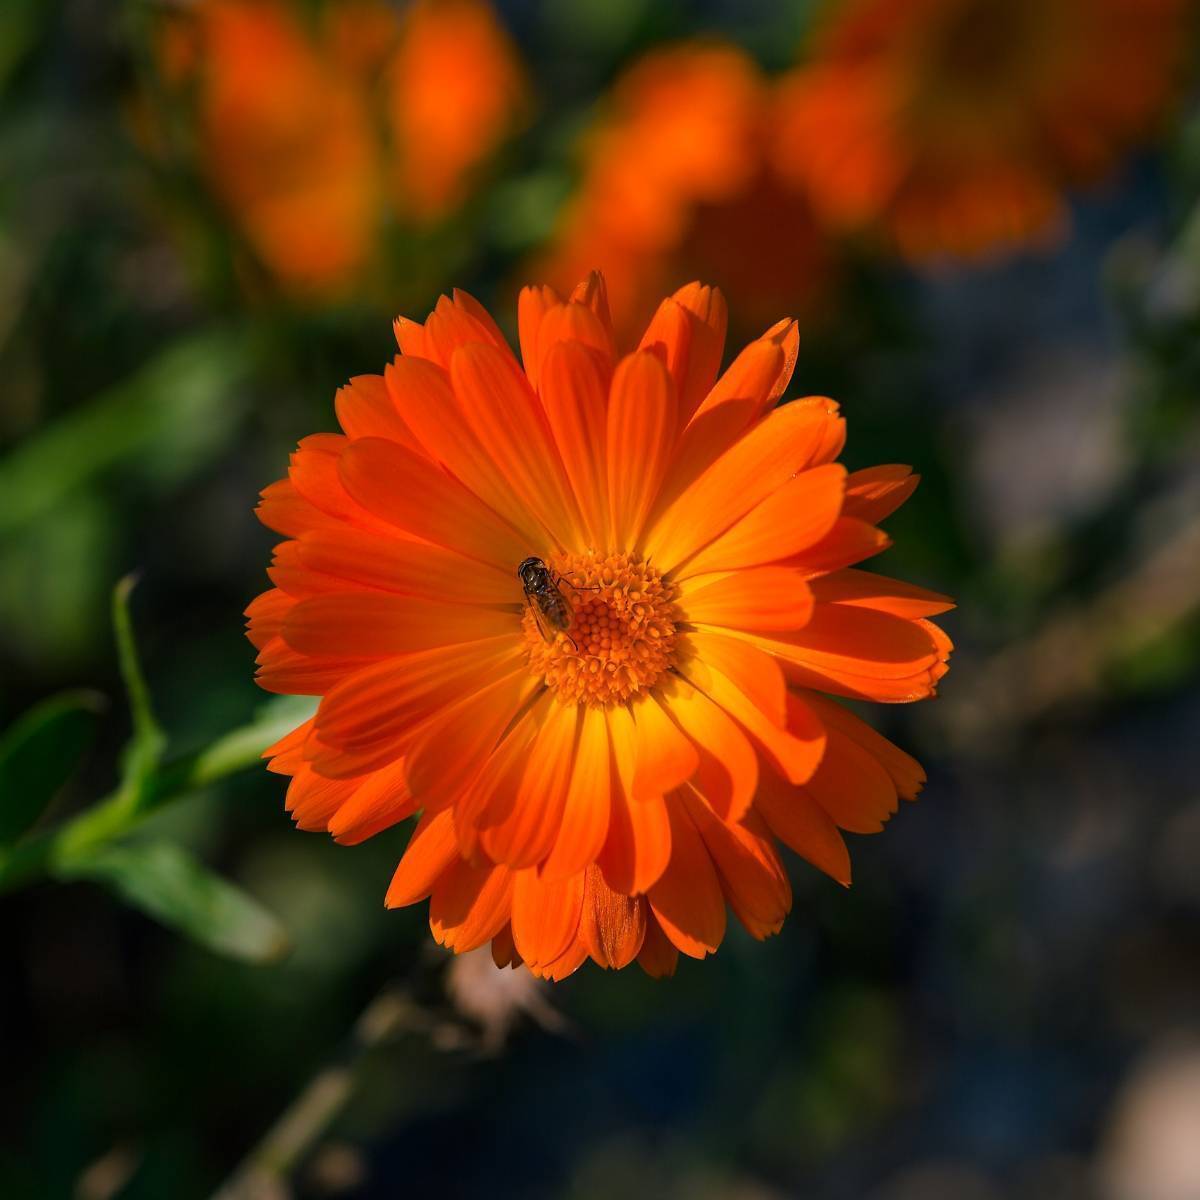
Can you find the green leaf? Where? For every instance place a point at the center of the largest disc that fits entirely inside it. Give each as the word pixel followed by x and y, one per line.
pixel 145 749
pixel 38 754
pixel 168 884
pixel 243 747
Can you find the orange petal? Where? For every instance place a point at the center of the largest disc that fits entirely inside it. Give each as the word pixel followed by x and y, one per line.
pixel 284 510
pixel 592 292
pixel 284 670
pixel 665 756
pixel 381 801
pixel 641 429
pixel 848 542
pixel 574 392
pixel 446 428
pixel 504 949
pixel 752 671
pixel 876 493
pixel 313 471
pixel 798 821
pixel 657 957
pixel 611 926
pixel 759 598
pixel 708 437
pixel 575 322
pixel 585 817
pixel 852 786
pixel 312 799
pixel 688 333
pixel 532 305
pixel 403 565
pixel 545 915
pixel 522 832
pixel 748 389
pixel 460 321
pixel 567 963
pixel 287 754
pixel 788 522
pixel 512 430
pixel 867 590
pixel 410 337
pixel 788 440
pixel 708 316
pixel 728 772
pixel 752 877
pixel 365 624
pixel 292 576
pixel 466 303
pixel 375 707
pixel 638 846
pixel 687 901
pixel 795 751
pixel 265 614
pixel 907 774
pixel 668 337
pixel 364 409
pixel 842 639
pixel 447 756
pixel 470 905
pixel 494 789
pixel 638 843
pixel 749 383
pixel 411 494
pixel 431 849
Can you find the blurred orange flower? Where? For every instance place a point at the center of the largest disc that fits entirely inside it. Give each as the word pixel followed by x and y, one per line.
pixel 956 124
pixel 291 115
pixel 455 88
pixel 676 185
pixel 583 615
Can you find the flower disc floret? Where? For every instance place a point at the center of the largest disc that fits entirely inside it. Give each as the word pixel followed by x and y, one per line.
pixel 622 634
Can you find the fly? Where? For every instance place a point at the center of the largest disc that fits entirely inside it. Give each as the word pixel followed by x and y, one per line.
pixel 544 596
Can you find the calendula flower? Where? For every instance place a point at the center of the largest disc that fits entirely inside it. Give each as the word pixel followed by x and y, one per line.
pixel 585 613
pixel 284 131
pixel 676 182
pixel 456 90
pixel 314 128
pixel 956 125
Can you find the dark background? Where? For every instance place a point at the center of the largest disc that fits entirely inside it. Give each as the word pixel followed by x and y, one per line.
pixel 1006 1002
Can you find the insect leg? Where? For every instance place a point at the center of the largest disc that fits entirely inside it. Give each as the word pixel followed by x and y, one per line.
pixel 563 579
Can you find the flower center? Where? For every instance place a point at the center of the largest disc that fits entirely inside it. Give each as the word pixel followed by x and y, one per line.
pixel 620 635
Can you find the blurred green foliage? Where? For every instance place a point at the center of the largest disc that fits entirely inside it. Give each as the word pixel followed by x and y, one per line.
pixel 1012 942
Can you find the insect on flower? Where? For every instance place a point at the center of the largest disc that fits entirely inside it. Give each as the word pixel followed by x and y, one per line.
pixel 545 598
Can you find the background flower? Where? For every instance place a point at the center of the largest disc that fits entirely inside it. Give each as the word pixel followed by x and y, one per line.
pixel 956 125
pixel 315 131
pixel 676 183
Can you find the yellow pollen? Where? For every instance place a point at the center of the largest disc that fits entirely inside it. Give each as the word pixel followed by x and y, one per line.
pixel 622 632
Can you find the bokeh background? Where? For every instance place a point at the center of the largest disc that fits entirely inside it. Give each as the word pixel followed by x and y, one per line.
pixel 986 216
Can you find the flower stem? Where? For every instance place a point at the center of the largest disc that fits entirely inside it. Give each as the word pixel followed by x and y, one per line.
pixel 122 810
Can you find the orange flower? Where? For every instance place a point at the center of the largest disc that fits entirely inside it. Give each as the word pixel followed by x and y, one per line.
pixel 676 184
pixel 605 753
pixel 285 135
pixel 956 124
pixel 289 115
pixel 455 89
